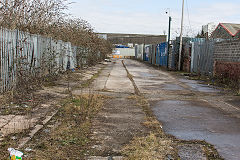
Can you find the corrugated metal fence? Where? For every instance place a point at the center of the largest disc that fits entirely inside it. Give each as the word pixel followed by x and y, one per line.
pixel 154 54
pixel 147 53
pixel 34 54
pixel 199 51
pixel 202 57
pixel 139 50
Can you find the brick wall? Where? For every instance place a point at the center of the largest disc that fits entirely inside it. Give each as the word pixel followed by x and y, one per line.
pixel 227 59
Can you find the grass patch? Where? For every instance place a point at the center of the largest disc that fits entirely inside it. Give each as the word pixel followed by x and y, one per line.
pixel 156 145
pixel 50 80
pixel 238 93
pixel 149 147
pixel 211 152
pixel 71 139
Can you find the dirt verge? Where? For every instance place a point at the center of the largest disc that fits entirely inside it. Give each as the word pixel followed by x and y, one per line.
pixel 67 134
pixel 23 121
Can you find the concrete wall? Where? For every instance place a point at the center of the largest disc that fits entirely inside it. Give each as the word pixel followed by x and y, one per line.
pixel 227 59
pixel 124 52
pixel 208 29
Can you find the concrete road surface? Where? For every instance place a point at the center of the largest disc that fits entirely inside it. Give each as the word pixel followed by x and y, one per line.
pixel 190 110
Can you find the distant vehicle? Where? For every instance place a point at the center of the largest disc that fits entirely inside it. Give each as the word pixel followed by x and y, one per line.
pixel 108 60
pixel 121 46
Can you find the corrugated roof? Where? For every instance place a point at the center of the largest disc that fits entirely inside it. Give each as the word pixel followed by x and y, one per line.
pixel 232 28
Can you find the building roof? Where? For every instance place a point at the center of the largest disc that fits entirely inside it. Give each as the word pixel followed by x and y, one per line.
pixel 231 28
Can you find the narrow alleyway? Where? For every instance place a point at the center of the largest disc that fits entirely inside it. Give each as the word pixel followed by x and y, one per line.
pixel 131 110
pixel 120 119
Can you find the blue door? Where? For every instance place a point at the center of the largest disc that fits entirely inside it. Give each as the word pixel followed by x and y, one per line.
pixel 163 56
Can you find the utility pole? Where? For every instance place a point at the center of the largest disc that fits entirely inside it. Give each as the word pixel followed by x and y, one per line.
pixel 169 35
pixel 181 33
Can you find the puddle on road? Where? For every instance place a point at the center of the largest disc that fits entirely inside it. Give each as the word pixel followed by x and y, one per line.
pixel 192 120
pixel 172 87
pixel 196 86
pixel 144 74
pixel 149 75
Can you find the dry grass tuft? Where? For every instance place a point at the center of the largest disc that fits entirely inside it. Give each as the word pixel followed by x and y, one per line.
pixel 156 145
pixel 149 147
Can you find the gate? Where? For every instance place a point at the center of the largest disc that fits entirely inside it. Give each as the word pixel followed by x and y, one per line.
pixel 161 54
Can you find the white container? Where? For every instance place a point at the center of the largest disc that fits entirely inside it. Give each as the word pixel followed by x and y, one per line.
pixel 15 154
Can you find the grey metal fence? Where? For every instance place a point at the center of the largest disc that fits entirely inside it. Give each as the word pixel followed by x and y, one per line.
pixel 202 57
pixel 139 49
pixel 35 54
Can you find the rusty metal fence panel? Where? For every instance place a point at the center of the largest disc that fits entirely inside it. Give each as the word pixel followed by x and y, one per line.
pixel 36 54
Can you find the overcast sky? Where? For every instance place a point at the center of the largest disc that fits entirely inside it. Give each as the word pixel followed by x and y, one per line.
pixel 149 17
